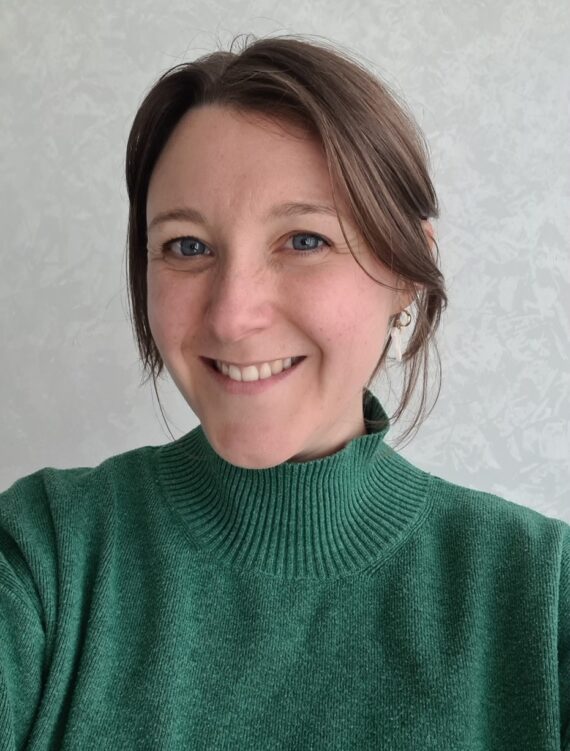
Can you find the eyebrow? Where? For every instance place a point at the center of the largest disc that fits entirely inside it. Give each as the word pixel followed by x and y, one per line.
pixel 290 208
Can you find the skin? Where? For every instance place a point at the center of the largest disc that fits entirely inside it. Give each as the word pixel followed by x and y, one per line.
pixel 253 294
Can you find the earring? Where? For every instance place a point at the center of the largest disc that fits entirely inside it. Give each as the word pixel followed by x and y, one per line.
pixel 395 333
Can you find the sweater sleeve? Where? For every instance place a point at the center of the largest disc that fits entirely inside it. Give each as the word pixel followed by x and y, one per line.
pixel 21 660
pixel 564 641
pixel 22 625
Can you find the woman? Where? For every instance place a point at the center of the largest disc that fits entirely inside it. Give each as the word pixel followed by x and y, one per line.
pixel 279 577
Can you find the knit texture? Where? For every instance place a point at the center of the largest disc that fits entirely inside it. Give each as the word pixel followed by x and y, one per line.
pixel 167 599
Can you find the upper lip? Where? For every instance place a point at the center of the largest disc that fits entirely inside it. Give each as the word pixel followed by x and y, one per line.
pixel 254 362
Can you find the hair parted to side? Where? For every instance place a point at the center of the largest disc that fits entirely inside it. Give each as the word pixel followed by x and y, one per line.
pixel 376 154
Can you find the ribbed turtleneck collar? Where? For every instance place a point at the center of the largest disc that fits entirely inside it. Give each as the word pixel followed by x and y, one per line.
pixel 324 518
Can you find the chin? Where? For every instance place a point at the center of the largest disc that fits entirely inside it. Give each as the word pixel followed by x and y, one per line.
pixel 251 464
pixel 250 456
pixel 250 460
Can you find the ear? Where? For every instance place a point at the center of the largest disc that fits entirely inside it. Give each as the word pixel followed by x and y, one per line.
pixel 405 295
pixel 402 297
pixel 405 298
pixel 430 232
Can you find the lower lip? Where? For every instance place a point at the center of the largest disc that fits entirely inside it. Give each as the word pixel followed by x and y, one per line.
pixel 250 387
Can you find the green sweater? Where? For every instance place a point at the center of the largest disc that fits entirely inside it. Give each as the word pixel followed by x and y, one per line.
pixel 167 600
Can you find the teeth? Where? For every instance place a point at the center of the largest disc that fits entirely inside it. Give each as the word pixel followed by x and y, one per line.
pixel 254 373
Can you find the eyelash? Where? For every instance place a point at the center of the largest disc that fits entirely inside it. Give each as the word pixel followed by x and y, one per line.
pixel 166 248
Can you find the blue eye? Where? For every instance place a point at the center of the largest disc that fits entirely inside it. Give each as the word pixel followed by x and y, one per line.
pixel 313 248
pixel 186 247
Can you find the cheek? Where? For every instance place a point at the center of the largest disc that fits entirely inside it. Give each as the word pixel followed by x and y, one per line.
pixel 165 309
pixel 155 306
pixel 358 309
pixel 361 319
pixel 336 311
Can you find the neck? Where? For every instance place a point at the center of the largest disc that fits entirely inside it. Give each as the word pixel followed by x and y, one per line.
pixel 327 517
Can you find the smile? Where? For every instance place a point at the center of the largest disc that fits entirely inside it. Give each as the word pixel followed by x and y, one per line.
pixel 256 372
pixel 251 385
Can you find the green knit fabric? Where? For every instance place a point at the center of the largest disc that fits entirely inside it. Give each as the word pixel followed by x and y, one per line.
pixel 167 600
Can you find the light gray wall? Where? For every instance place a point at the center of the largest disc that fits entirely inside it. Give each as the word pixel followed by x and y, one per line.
pixel 488 83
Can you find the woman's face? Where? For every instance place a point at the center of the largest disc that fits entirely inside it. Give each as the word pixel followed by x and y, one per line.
pixel 246 283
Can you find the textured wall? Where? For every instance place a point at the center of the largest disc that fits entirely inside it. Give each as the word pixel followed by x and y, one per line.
pixel 488 83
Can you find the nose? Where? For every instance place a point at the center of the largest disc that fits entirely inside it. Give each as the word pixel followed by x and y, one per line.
pixel 239 302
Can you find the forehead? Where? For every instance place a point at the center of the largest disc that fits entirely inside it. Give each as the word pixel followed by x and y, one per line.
pixel 216 130
pixel 218 154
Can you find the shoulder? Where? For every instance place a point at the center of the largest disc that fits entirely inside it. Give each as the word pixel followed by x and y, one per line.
pixel 495 523
pixel 52 486
pixel 55 514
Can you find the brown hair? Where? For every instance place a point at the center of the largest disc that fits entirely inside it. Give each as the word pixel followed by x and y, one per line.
pixel 376 156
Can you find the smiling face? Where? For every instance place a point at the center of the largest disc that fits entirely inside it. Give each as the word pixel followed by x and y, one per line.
pixel 248 285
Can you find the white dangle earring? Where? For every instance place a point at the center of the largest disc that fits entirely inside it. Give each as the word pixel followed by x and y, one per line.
pixel 396 335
